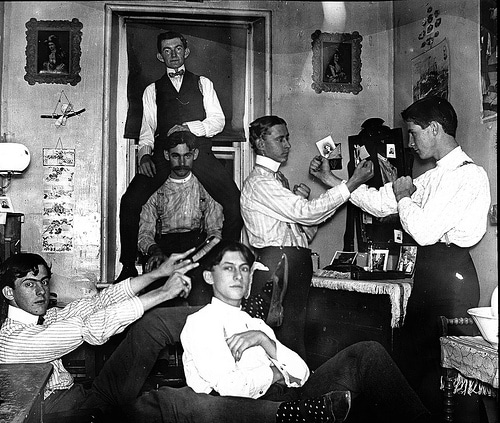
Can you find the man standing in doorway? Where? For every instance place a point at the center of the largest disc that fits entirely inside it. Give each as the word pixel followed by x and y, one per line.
pixel 180 100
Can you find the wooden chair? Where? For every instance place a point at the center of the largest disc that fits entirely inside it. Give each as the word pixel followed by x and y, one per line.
pixel 458 324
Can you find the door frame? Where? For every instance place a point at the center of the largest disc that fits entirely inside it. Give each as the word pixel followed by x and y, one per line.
pixel 116 149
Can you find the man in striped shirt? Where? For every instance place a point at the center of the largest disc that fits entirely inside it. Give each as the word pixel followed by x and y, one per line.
pixel 180 214
pixel 282 220
pixel 30 333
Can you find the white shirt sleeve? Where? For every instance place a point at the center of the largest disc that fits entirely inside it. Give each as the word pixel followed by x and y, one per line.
pixel 378 202
pixel 209 364
pixel 148 125
pixel 215 119
pixel 444 205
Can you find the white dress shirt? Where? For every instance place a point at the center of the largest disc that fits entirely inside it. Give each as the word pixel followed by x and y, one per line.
pixel 450 204
pixel 208 127
pixel 209 364
pixel 268 209
pixel 91 320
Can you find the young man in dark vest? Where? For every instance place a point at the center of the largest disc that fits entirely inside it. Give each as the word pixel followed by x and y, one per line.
pixel 179 100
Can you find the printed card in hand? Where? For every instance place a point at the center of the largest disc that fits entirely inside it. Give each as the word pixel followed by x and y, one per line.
pixel 332 152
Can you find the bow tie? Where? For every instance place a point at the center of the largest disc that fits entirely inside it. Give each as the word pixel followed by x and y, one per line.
pixel 178 73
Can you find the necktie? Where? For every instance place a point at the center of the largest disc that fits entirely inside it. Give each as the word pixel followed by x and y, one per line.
pixel 280 177
pixel 177 73
pixel 40 320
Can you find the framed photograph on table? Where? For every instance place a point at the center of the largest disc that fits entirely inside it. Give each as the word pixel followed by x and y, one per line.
pixel 407 259
pixel 336 62
pixel 377 260
pixel 344 257
pixel 53 52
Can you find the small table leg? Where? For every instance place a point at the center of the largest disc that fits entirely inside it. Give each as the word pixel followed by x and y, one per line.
pixel 448 402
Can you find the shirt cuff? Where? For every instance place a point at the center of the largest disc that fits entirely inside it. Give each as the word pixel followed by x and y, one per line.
pixel 265 374
pixel 137 306
pixel 127 288
pixel 197 128
pixel 344 191
pixel 145 149
pixel 404 201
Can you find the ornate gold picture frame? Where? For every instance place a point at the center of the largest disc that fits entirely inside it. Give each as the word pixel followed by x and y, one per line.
pixel 336 62
pixel 53 52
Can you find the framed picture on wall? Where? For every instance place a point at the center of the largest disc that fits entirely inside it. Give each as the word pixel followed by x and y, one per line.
pixel 336 62
pixel 53 52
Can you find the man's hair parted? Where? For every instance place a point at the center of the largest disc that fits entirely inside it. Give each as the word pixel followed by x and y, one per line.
pixel 261 126
pixel 432 108
pixel 170 35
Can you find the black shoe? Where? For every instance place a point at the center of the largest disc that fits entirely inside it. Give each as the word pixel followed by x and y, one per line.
pixel 338 404
pixel 127 272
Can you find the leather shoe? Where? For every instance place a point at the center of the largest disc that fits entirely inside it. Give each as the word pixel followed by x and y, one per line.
pixel 337 404
pixel 127 272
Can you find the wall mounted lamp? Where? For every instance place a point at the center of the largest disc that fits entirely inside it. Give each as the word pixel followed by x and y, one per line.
pixel 14 159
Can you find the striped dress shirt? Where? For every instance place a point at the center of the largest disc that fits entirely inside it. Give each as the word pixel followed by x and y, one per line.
pixel 180 204
pixel 93 320
pixel 450 204
pixel 268 209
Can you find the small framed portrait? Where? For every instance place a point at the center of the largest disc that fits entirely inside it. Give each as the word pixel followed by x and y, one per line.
pixel 53 52
pixel 6 205
pixel 336 62
pixel 377 260
pixel 344 257
pixel 407 259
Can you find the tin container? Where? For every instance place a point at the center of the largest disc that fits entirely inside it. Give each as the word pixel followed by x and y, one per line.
pixel 315 261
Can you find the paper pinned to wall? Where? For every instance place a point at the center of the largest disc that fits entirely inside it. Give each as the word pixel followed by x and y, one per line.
pixel 58 201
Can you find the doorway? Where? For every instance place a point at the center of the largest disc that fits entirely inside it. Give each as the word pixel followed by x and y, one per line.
pixel 231 47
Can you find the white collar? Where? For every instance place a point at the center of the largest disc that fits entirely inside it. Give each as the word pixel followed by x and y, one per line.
pixel 224 306
pixel 18 314
pixel 181 181
pixel 454 158
pixel 267 162
pixel 174 70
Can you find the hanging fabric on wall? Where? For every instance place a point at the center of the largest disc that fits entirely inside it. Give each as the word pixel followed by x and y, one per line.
pixel 58 199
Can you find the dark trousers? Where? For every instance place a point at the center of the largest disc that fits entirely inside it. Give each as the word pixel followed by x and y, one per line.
pixel 212 175
pixel 379 390
pixel 117 386
pixel 291 332
pixel 445 283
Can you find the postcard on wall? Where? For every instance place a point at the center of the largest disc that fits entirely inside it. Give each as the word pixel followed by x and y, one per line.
pixel 430 72
pixel 58 156
pixel 6 205
pixel 58 205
